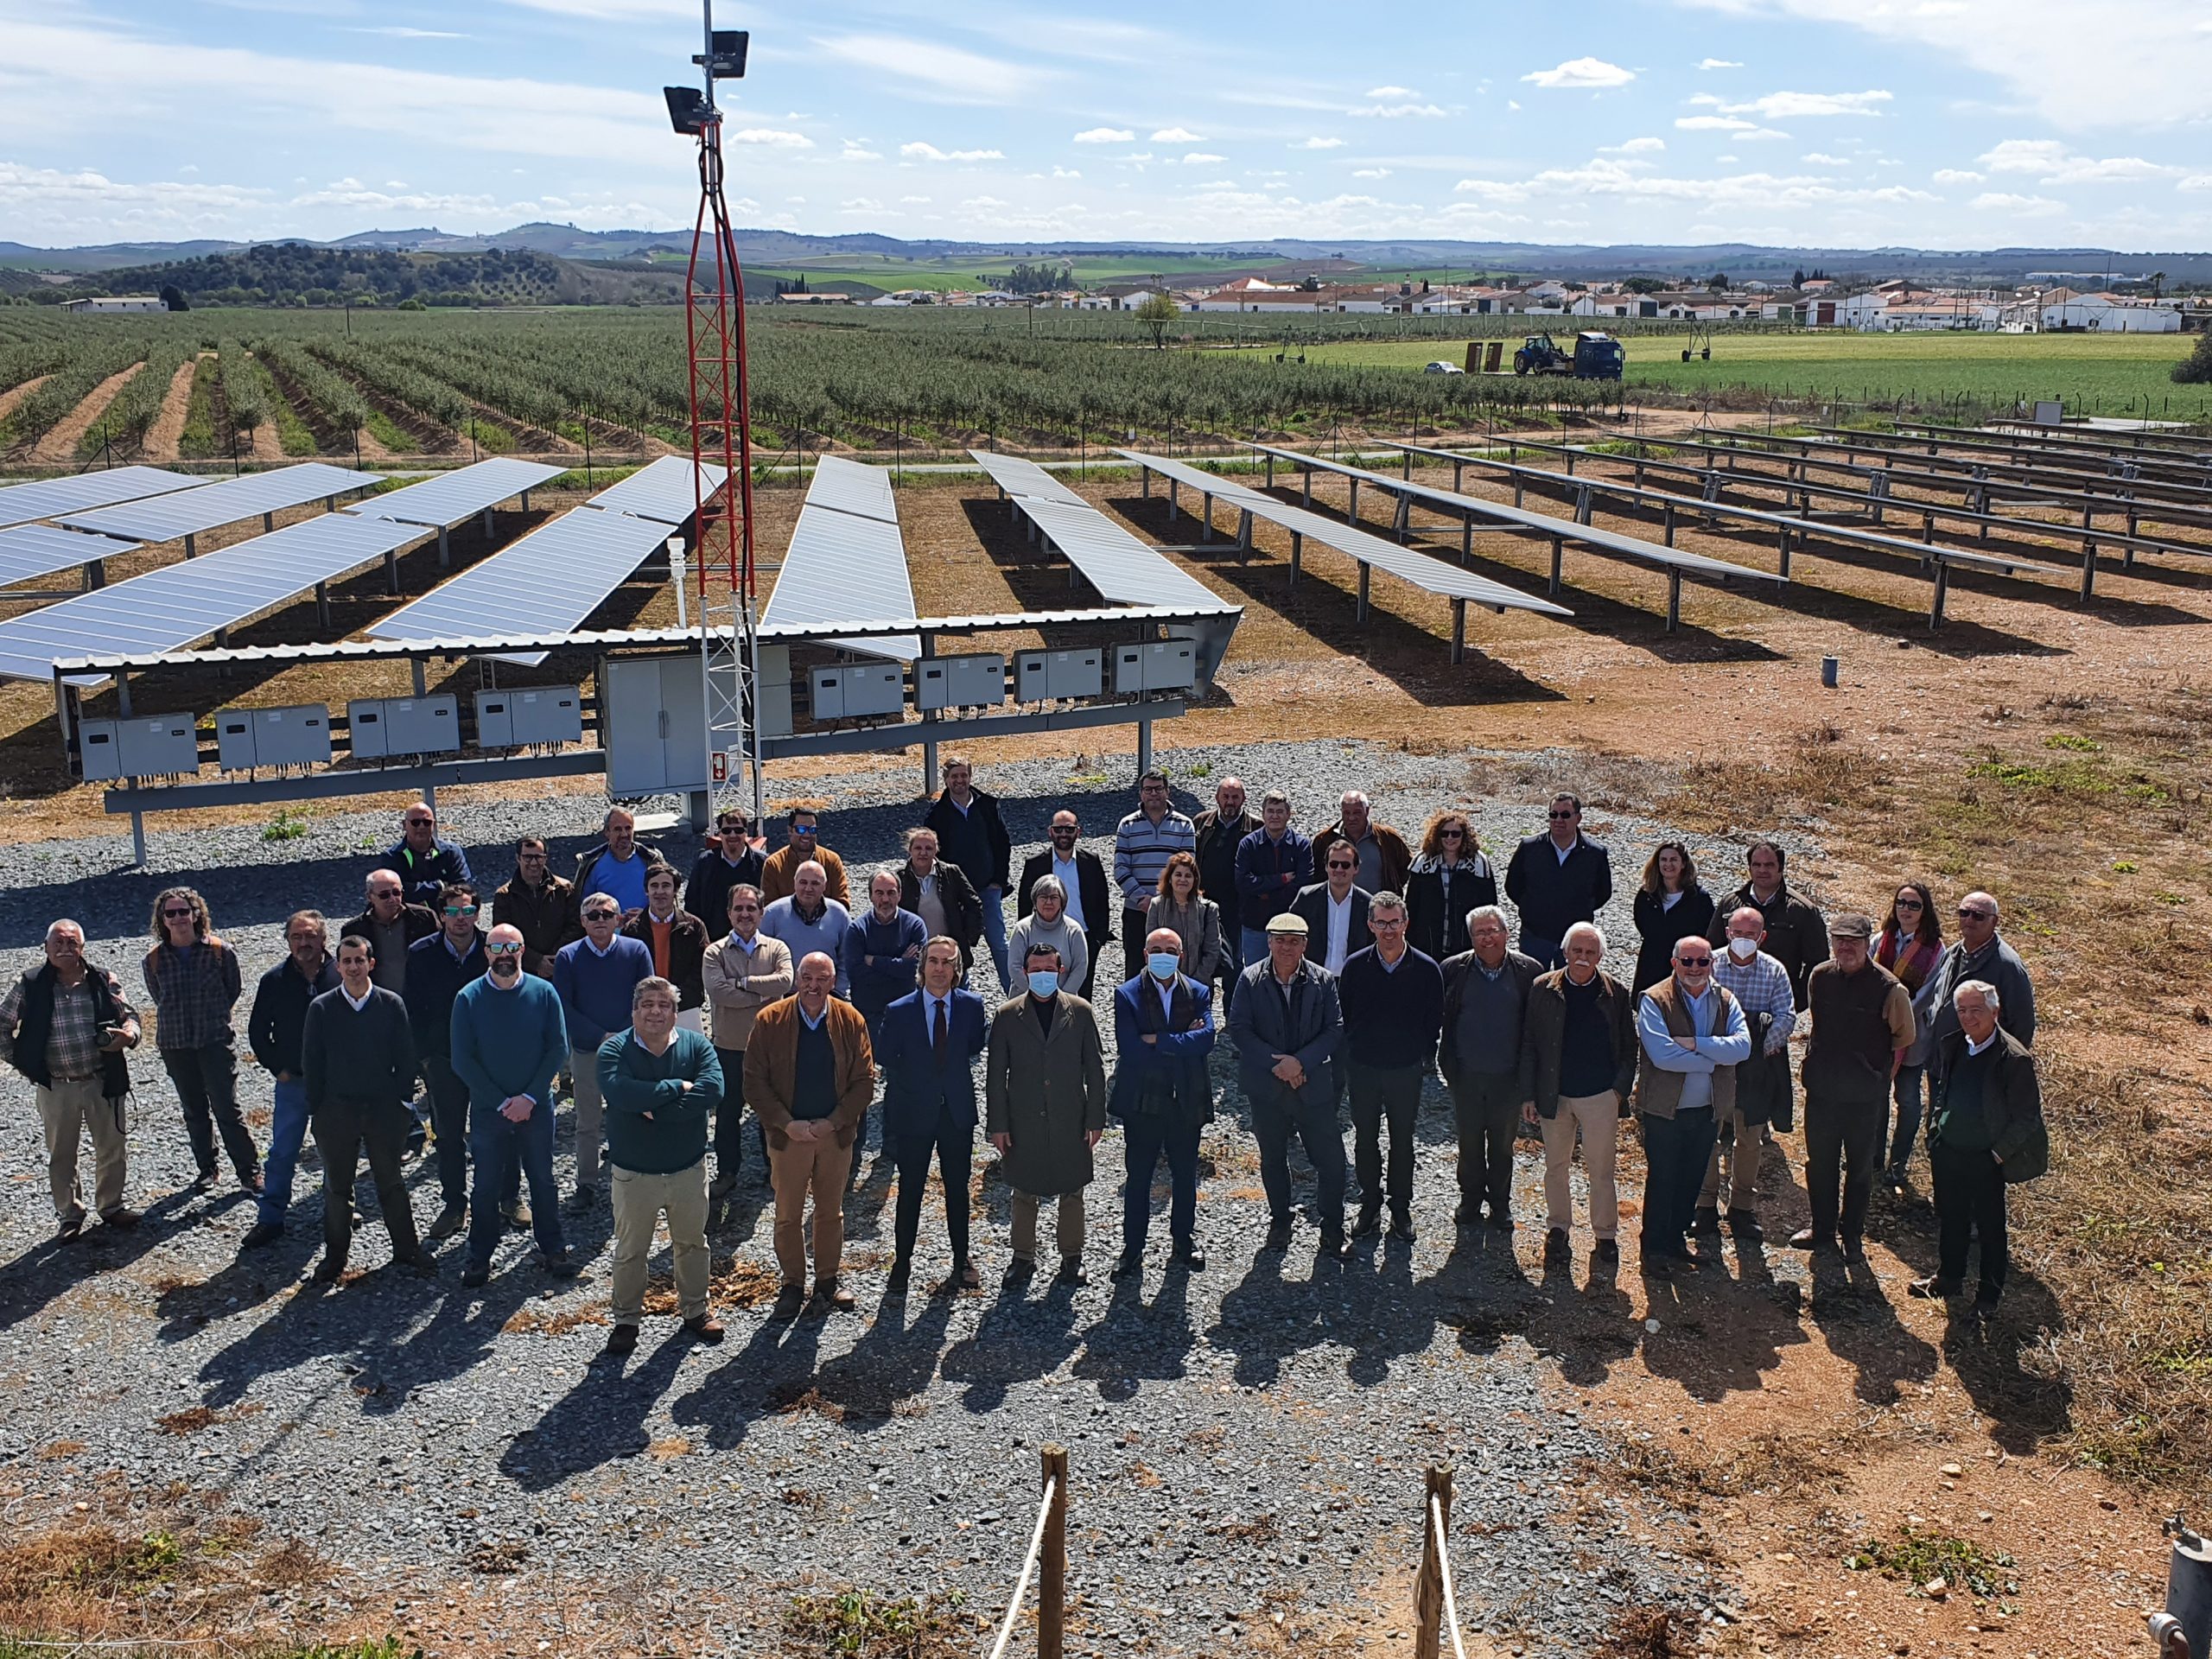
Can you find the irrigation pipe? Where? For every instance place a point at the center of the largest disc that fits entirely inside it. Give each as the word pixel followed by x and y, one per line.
pixel 1028 1566
pixel 1444 1572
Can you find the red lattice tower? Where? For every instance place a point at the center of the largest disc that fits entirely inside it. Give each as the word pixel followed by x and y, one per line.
pixel 721 418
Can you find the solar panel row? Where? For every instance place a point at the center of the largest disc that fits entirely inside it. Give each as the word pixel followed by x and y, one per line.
pixel 28 550
pixel 21 504
pixel 847 558
pixel 662 490
pixel 1122 568
pixel 187 512
pixel 452 497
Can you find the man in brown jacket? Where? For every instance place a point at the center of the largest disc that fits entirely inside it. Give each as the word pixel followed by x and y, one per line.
pixel 809 1074
pixel 538 903
pixel 1579 1034
pixel 1862 1025
pixel 1385 857
pixel 742 973
pixel 801 843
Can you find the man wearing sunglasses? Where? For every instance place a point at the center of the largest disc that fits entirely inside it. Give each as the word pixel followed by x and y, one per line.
pixel 438 969
pixel 390 925
pixel 1695 1037
pixel 423 859
pixel 595 978
pixel 732 860
pixel 1335 909
pixel 1980 953
pixel 1556 880
pixel 803 845
pixel 508 1041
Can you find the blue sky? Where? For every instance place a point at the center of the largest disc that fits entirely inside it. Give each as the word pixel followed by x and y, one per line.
pixel 1933 122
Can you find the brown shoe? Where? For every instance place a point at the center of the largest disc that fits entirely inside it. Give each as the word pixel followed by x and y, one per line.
pixel 705 1328
pixel 122 1217
pixel 833 1296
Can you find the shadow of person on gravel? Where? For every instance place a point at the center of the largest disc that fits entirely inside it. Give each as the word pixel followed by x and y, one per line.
pixel 1860 1325
pixel 1586 1332
pixel 1744 1325
pixel 1017 1340
pixel 1132 1344
pixel 1392 1315
pixel 1265 1317
pixel 51 1269
pixel 601 1420
pixel 773 1372
pixel 892 1362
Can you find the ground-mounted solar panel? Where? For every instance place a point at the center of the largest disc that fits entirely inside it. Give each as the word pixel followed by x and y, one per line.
pixel 547 582
pixel 847 559
pixel 49 497
pixel 662 490
pixel 28 550
pixel 1122 568
pixel 451 497
pixel 170 608
pixel 189 512
pixel 1024 479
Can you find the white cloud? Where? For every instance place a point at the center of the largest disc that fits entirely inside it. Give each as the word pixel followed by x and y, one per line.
pixel 944 73
pixel 1714 123
pixel 1644 146
pixel 1758 134
pixel 1785 106
pixel 1821 158
pixel 915 201
pixel 401 32
pixel 1371 173
pixel 1104 135
pixel 856 149
pixel 983 201
pixel 1199 157
pixel 2020 206
pixel 918 151
pixel 1512 103
pixel 1582 73
pixel 1395 111
pixel 768 138
pixel 1392 91
pixel 1320 143
pixel 1953 176
pixel 2052 162
pixel 1719 63
pixel 1178 135
pixel 1491 190
pixel 2195 181
pixel 861 205
pixel 2024 155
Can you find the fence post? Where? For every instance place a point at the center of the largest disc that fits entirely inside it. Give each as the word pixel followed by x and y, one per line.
pixel 1052 1563
pixel 1428 1589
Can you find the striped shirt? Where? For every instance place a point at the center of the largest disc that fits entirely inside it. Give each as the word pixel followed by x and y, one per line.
pixel 1141 849
pixel 1763 986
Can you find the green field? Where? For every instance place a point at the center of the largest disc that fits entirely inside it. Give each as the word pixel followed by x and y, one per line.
pixel 2098 373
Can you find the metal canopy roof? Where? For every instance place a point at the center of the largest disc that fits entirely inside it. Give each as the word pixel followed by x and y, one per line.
pixel 170 607
pixel 547 582
pixel 169 517
pixel 1019 478
pixel 1431 575
pixel 451 497
pixel 846 553
pixel 661 490
pixel 47 497
pixel 27 551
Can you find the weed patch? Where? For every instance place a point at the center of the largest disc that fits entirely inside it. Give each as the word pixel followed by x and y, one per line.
pixel 1936 1563
pixel 854 1624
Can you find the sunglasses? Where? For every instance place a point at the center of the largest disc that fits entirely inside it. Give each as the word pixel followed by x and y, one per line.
pixel 1335 865
pixel 422 824
pixel 1693 962
pixel 1911 904
pixel 174 914
pixel 802 828
pixel 1451 834
pixel 600 915
pixel 503 950
pixel 1561 817
pixel 461 910
pixel 1966 915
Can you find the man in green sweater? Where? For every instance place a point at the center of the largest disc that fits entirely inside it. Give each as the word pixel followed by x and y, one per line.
pixel 661 1086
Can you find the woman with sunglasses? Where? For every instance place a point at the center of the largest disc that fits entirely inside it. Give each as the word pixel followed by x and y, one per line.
pixel 1911 942
pixel 1449 877
pixel 1669 906
pixel 194 980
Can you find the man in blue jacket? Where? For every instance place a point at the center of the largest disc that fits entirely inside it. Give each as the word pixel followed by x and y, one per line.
pixel 1163 1031
pixel 1286 1024
pixel 927 1052
pixel 1557 880
pixel 508 1040
pixel 594 977
pixel 423 859
pixel 1273 863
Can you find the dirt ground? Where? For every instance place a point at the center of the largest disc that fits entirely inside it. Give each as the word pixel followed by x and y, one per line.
pixel 2051 751
pixel 162 437
pixel 58 446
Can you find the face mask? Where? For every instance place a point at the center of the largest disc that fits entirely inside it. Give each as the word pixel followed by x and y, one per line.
pixel 1044 982
pixel 1163 963
pixel 1742 949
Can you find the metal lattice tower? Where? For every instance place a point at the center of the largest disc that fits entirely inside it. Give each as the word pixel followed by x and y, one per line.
pixel 722 437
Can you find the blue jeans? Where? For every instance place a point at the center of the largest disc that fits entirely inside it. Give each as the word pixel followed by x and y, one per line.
pixel 288 1127
pixel 1676 1152
pixel 498 1145
pixel 1906 1090
pixel 1252 943
pixel 1145 1138
pixel 995 933
pixel 1546 952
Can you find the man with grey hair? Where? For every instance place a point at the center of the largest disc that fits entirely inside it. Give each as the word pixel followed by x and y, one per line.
pixel 67 1023
pixel 1392 998
pixel 1482 1058
pixel 1862 1024
pixel 1383 857
pixel 1761 986
pixel 1980 953
pixel 1985 1132
pixel 1581 1049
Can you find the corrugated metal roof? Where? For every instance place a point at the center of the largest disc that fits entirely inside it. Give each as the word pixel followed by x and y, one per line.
pixel 547 582
pixel 451 497
pixel 27 551
pixel 170 607
pixel 847 554
pixel 662 490
pixel 48 498
pixel 169 517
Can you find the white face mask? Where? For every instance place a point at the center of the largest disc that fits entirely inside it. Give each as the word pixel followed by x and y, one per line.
pixel 1742 949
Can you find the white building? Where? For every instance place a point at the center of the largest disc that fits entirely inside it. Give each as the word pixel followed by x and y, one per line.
pixel 2107 314
pixel 116 305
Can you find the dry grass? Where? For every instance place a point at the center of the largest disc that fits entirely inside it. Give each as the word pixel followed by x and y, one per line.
pixel 96 1577
pixel 1767 1465
pixel 854 1624
pixel 553 1322
pixel 736 1282
pixel 1647 1633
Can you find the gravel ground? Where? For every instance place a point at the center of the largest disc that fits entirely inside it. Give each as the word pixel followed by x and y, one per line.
pixel 1245 1441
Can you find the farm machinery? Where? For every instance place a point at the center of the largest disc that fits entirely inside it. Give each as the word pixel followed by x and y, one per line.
pixel 1596 357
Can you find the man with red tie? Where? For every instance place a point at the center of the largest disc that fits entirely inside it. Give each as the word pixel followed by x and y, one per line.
pixel 927 1053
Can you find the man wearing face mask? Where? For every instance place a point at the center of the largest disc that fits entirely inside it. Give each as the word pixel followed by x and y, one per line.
pixel 1693 1038
pixel 508 1040
pixel 1761 987
pixel 1044 1103
pixel 1163 1031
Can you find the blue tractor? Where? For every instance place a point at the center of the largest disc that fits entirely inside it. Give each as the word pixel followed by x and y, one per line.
pixel 1596 357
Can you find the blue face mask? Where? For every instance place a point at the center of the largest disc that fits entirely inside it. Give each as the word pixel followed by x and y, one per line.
pixel 1163 963
pixel 1044 982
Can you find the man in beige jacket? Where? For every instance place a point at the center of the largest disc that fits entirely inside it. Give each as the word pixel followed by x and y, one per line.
pixel 743 972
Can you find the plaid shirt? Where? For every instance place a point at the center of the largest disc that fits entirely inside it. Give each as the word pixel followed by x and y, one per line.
pixel 1762 987
pixel 1141 849
pixel 193 996
pixel 73 1040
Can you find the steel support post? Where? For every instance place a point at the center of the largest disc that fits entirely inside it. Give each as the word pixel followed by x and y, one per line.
pixel 1559 558
pixel 1297 547
pixel 1459 632
pixel 1366 572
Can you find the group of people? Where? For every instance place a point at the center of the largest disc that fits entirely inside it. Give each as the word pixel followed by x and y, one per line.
pixel 1349 966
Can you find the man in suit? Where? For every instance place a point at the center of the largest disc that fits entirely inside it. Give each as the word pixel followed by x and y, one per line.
pixel 1286 1026
pixel 1163 1031
pixel 1045 1104
pixel 973 836
pixel 1220 832
pixel 1084 874
pixel 931 1040
pixel 1335 910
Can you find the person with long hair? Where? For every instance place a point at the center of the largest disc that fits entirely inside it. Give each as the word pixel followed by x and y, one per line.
pixel 194 980
pixel 1911 942
pixel 1180 904
pixel 1669 905
pixel 1449 877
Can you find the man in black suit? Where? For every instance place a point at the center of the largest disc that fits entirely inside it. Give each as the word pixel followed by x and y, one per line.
pixel 1335 911
pixel 1084 874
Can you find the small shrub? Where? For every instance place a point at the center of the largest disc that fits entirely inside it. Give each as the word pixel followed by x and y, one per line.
pixel 290 824
pixel 1919 1556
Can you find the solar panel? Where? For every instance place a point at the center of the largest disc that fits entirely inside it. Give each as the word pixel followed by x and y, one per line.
pixel 169 517
pixel 547 582
pixel 27 551
pixel 50 497
pixel 1122 568
pixel 1020 479
pixel 847 558
pixel 450 497
pixel 662 490
pixel 168 609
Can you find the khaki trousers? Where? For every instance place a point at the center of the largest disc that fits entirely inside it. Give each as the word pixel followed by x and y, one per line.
pixel 639 1201
pixel 68 1110
pixel 1598 1117
pixel 591 1114
pixel 1067 1229
pixel 795 1169
pixel 1740 1165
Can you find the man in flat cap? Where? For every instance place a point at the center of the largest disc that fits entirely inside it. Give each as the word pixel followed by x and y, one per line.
pixel 1862 1025
pixel 1287 1024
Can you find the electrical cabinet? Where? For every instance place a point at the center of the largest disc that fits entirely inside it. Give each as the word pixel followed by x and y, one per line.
pixel 653 722
pixel 537 714
pixel 142 747
pixel 976 682
pixel 1045 676
pixel 1155 665
pixel 295 736
pixel 852 690
pixel 772 691
pixel 383 727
